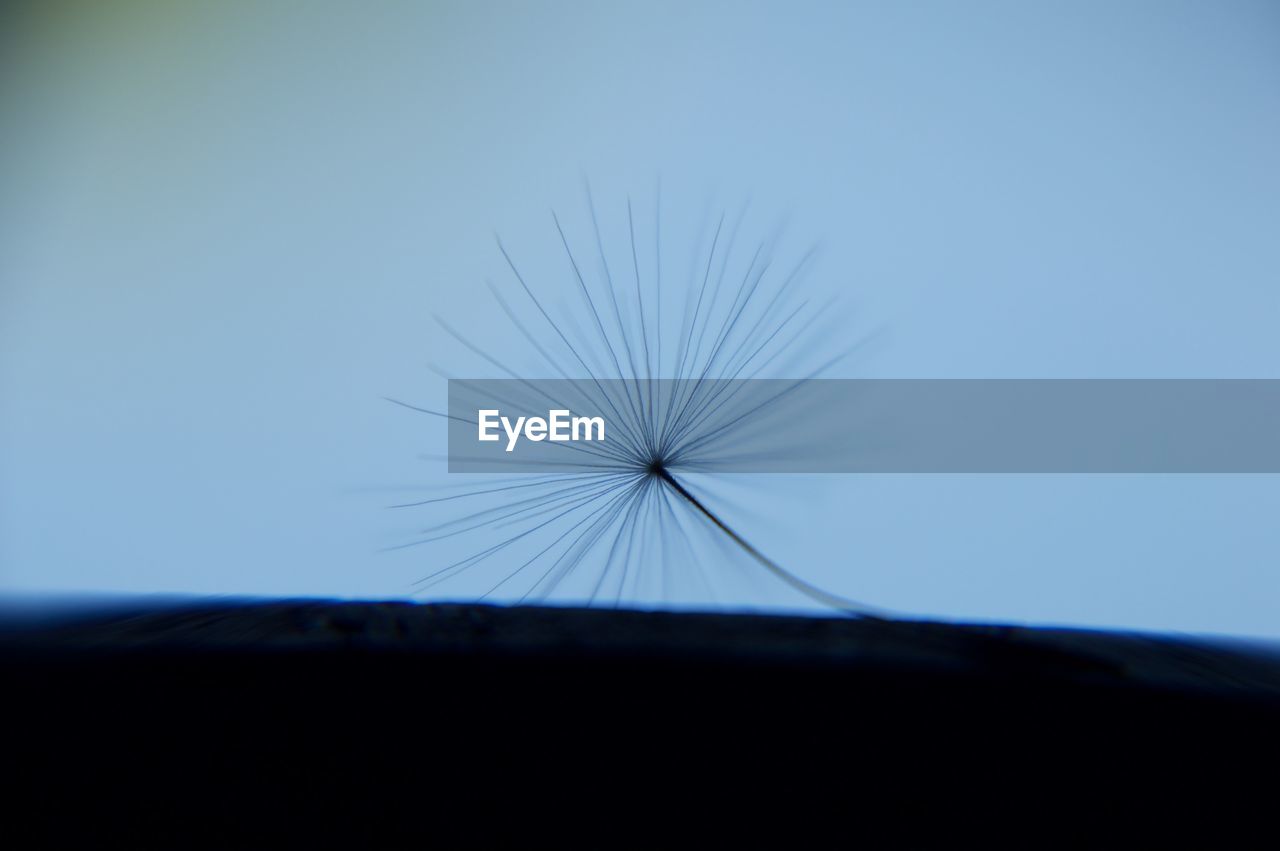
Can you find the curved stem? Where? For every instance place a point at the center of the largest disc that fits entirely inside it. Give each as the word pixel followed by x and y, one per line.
pixel 813 592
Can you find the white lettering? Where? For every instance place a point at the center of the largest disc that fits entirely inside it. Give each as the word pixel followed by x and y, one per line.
pixel 559 421
pixel 486 424
pixel 513 434
pixel 560 426
pixel 586 423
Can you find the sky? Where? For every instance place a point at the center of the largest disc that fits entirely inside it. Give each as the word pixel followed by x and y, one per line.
pixel 225 230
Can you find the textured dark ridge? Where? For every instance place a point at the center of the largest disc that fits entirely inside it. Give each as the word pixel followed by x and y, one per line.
pixel 370 724
pixel 1077 656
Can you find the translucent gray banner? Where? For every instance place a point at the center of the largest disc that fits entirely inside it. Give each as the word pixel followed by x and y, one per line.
pixel 866 425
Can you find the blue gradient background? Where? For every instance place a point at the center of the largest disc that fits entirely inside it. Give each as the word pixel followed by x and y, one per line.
pixel 224 229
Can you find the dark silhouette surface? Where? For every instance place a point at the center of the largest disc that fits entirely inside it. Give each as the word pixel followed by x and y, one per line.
pixel 367 725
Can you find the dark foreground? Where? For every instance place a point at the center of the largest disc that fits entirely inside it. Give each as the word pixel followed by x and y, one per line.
pixel 369 725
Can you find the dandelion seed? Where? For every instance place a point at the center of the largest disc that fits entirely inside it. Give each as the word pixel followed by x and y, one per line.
pixel 625 507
